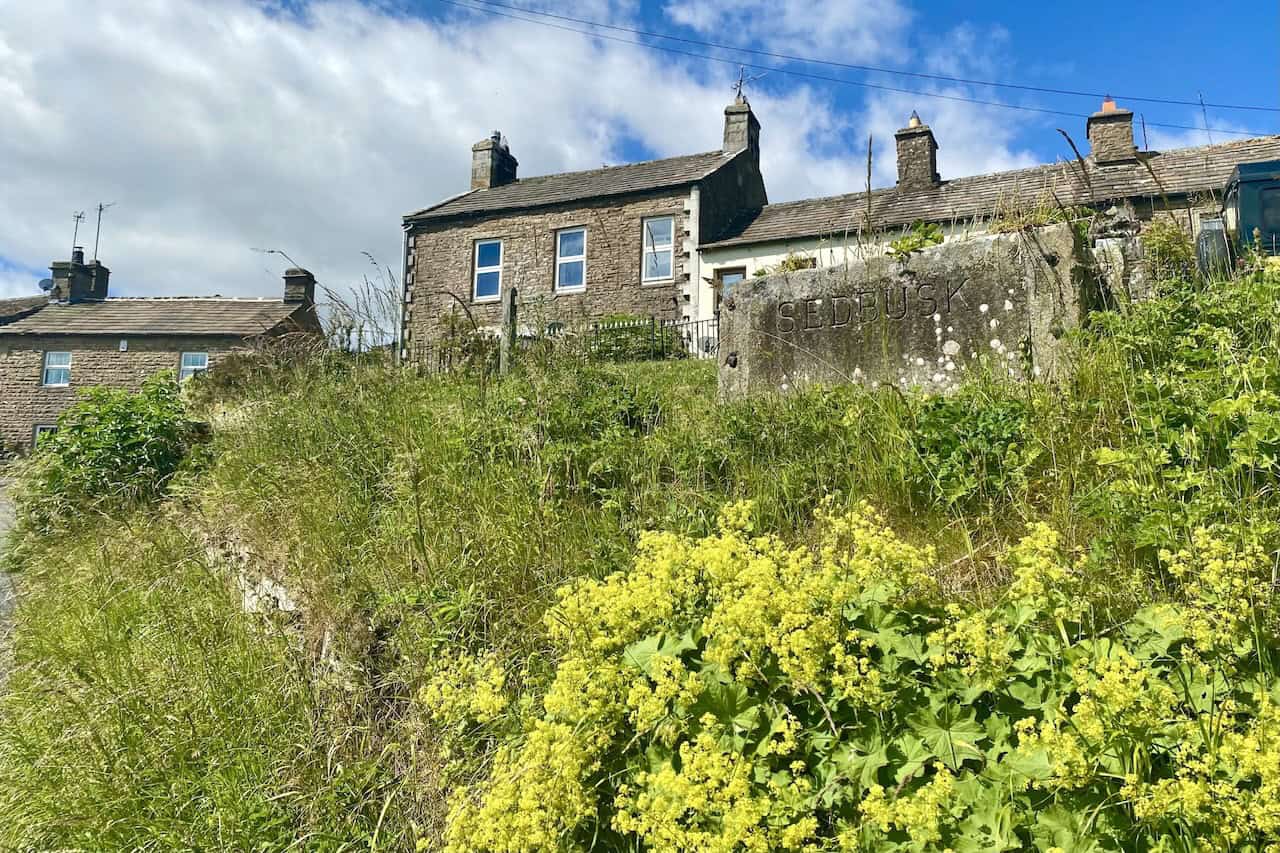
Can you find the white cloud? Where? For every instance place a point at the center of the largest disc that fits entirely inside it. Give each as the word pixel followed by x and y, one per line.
pixel 222 125
pixel 848 30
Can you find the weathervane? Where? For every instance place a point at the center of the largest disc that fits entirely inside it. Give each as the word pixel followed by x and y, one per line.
pixel 742 82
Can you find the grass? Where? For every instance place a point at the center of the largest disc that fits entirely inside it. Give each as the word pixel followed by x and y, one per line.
pixel 416 516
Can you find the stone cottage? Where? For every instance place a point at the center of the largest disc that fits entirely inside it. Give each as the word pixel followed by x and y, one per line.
pixel 77 337
pixel 1185 184
pixel 669 238
pixel 578 246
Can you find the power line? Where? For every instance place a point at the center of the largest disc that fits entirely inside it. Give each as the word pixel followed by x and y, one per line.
pixel 870 68
pixel 825 78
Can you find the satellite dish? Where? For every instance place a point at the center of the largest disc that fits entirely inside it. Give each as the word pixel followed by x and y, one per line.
pixel 46 284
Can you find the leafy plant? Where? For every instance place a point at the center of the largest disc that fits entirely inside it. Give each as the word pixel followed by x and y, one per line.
pixel 921 236
pixel 733 692
pixel 112 449
pixel 972 445
pixel 1168 251
pixel 793 262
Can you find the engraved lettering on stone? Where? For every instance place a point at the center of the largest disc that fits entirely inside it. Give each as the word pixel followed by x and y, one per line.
pixel 889 311
pixel 787 317
pixel 812 319
pixel 864 306
pixel 841 311
pixel 928 304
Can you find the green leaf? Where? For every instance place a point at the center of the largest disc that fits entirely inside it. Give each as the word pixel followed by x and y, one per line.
pixel 1058 826
pixel 733 707
pixel 861 763
pixel 912 754
pixel 640 653
pixel 952 737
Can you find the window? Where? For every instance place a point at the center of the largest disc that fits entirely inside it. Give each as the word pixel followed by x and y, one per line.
pixel 57 369
pixel 571 259
pixel 725 280
pixel 191 364
pixel 488 280
pixel 657 257
pixel 41 431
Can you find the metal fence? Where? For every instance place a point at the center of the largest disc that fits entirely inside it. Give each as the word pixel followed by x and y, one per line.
pixel 650 339
pixel 654 339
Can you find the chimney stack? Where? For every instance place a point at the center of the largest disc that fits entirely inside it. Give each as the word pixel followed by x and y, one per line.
pixel 1110 132
pixel 299 286
pixel 741 128
pixel 917 156
pixel 76 281
pixel 491 163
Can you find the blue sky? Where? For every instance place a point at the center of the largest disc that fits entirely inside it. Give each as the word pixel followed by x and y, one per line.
pixel 222 127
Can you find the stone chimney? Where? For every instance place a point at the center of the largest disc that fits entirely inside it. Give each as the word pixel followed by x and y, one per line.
pixel 76 281
pixel 741 128
pixel 299 286
pixel 1110 132
pixel 491 163
pixel 917 156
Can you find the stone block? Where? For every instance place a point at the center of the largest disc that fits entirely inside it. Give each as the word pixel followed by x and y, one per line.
pixel 1005 300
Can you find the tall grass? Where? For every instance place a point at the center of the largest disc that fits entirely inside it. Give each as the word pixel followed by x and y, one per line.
pixel 417 516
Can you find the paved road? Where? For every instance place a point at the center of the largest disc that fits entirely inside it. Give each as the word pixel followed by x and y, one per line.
pixel 6 585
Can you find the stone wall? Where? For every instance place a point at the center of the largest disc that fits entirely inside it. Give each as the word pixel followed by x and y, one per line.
pixel 442 264
pixel 1000 300
pixel 728 193
pixel 25 402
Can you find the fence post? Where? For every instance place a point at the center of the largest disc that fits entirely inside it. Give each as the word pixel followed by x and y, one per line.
pixel 507 341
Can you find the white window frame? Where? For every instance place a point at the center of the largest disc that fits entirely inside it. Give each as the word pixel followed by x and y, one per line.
pixel 44 376
pixel 39 430
pixel 185 372
pixel 646 248
pixel 571 259
pixel 477 270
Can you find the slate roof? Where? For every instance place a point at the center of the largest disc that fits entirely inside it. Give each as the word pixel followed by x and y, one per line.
pixel 1180 172
pixel 575 186
pixel 12 309
pixel 226 317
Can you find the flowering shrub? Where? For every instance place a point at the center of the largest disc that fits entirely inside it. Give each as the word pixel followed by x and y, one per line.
pixel 736 692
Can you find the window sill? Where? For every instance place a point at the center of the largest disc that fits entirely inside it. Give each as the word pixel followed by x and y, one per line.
pixel 486 300
pixel 658 282
pixel 569 291
pixel 64 385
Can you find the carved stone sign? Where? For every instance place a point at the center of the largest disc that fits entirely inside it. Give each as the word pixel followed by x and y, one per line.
pixel 1000 300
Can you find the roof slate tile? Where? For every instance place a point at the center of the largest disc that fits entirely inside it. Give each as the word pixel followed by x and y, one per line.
pixel 1179 172
pixel 155 316
pixel 575 186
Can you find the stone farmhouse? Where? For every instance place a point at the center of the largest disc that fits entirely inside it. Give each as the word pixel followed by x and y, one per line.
pixel 668 238
pixel 77 337
pixel 580 245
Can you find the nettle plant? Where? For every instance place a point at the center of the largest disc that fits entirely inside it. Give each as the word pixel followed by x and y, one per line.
pixel 737 693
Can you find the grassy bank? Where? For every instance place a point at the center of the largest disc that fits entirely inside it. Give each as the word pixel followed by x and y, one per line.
pixel 427 522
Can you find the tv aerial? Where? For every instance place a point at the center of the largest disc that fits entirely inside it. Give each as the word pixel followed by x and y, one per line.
pixel 743 80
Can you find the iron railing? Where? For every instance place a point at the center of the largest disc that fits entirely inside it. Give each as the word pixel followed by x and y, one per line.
pixel 642 339
pixel 654 339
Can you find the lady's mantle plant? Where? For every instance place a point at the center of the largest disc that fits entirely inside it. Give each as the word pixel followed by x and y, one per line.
pixel 736 693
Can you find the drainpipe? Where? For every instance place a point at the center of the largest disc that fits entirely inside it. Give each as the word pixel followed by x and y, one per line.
pixel 401 352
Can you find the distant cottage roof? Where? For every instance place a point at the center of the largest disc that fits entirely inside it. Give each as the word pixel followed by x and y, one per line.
pixel 575 186
pixel 13 309
pixel 1176 173
pixel 195 316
